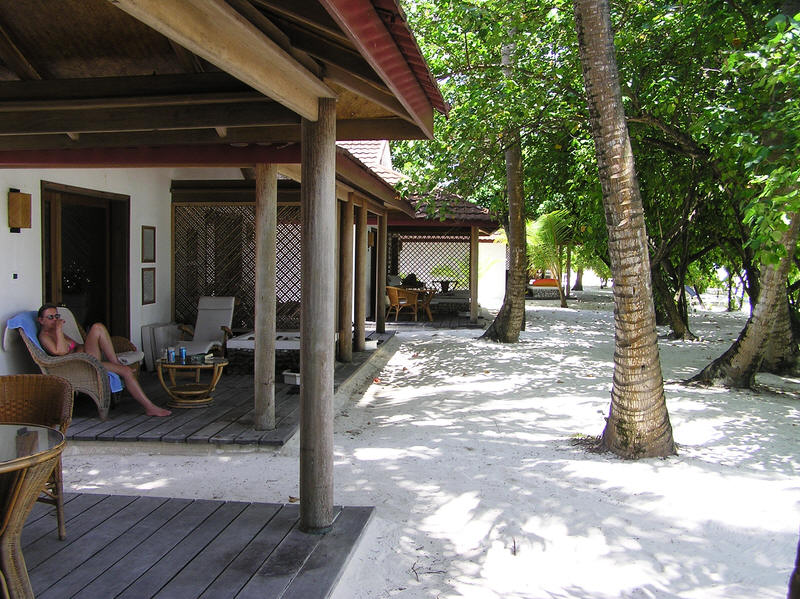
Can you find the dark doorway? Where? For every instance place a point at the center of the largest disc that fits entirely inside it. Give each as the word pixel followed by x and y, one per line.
pixel 85 237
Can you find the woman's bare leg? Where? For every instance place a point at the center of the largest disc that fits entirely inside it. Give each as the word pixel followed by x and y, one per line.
pixel 98 343
pixel 136 390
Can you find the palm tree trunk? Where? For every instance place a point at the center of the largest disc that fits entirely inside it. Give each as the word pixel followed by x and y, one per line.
pixel 738 366
pixel 638 423
pixel 510 319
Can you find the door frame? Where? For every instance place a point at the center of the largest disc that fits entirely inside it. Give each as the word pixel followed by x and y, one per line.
pixel 120 285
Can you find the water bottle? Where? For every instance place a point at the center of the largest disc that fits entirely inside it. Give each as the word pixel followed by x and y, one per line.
pixel 171 355
pixel 183 354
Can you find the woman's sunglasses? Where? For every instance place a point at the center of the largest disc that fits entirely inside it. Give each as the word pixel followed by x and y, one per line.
pixel 53 316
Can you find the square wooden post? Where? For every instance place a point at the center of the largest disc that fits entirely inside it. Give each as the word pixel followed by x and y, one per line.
pixel 360 291
pixel 380 292
pixel 264 359
pixel 473 274
pixel 318 207
pixel 346 281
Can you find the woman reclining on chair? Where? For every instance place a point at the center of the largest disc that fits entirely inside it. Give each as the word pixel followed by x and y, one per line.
pixel 98 344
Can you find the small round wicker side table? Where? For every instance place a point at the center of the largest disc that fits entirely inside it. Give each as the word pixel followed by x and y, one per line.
pixel 28 454
pixel 190 395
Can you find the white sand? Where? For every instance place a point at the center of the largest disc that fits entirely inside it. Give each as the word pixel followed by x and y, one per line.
pixel 466 450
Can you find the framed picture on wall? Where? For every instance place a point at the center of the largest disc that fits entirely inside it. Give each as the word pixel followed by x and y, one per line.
pixel 148 286
pixel 148 244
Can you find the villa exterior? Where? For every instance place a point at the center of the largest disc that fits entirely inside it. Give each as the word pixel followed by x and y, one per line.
pixel 108 109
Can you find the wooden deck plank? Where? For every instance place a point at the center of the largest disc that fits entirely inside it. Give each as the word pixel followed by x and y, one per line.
pixel 41 522
pixel 210 431
pixel 158 512
pixel 326 563
pixel 281 433
pixel 214 425
pixel 141 559
pixel 206 416
pixel 152 581
pixel 280 568
pixel 95 541
pixel 183 549
pixel 243 432
pixel 212 560
pixel 241 569
pixel 43 548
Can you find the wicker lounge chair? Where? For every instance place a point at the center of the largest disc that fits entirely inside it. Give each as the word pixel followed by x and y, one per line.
pixel 84 372
pixel 45 400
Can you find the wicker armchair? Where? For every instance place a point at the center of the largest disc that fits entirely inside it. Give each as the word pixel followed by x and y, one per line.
pixel 126 351
pixel 402 299
pixel 47 401
pixel 84 372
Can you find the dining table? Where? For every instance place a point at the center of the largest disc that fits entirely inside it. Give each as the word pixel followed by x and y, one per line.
pixel 28 454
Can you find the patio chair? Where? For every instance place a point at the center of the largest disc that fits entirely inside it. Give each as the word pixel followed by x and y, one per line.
pixel 126 351
pixel 45 400
pixel 83 371
pixel 212 328
pixel 402 299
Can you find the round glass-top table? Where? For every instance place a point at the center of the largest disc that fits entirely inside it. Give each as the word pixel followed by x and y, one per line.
pixel 28 454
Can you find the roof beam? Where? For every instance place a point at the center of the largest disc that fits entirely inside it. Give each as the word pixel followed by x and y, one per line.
pixel 188 156
pixel 121 87
pixel 339 76
pixel 213 30
pixel 13 57
pixel 145 118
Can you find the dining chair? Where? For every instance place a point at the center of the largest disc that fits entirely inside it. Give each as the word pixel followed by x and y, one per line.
pixel 45 400
pixel 402 299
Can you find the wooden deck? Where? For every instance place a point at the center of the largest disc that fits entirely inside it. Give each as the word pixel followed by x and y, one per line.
pixel 228 421
pixel 138 547
pixel 441 320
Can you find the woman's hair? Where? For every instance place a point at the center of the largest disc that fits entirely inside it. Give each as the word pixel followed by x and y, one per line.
pixel 44 307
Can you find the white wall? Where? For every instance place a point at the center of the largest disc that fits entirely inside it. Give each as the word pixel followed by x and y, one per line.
pixel 21 253
pixel 491 275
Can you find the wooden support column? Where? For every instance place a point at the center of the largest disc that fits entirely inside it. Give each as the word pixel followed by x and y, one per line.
pixel 346 281
pixel 264 359
pixel 380 292
pixel 473 274
pixel 318 206
pixel 360 287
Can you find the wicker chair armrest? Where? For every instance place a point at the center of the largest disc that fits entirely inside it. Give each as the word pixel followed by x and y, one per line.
pixel 71 360
pixel 122 344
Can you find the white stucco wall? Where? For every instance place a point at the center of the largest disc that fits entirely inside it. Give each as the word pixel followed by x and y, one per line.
pixel 21 253
pixel 491 275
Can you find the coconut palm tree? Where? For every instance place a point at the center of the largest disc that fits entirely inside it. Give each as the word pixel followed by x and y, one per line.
pixel 548 236
pixel 638 423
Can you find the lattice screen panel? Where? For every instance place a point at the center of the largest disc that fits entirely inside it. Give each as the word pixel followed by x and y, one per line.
pixel 430 257
pixel 215 255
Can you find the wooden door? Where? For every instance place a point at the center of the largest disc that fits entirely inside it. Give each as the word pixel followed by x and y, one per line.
pixel 86 238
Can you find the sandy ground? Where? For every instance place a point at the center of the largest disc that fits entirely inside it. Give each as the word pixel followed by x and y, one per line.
pixel 467 449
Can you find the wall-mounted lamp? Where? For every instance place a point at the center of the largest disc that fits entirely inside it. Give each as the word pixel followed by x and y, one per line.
pixel 19 210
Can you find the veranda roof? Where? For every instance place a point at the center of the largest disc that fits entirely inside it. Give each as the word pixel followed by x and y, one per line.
pixel 202 81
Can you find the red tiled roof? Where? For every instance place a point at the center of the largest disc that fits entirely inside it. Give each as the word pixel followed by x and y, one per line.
pixel 455 208
pixel 376 156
